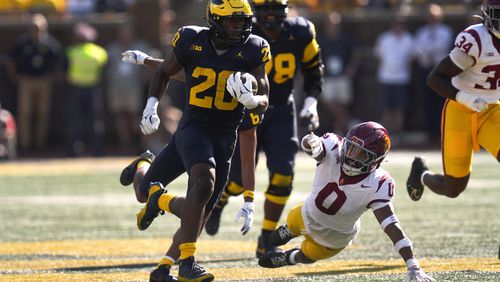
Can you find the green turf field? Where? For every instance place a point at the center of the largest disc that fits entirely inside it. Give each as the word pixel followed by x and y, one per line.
pixel 71 220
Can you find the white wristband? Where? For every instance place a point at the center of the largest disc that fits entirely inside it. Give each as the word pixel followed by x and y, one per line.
pixel 152 103
pixel 388 220
pixel 403 243
pixel 412 263
pixel 254 101
pixel 310 105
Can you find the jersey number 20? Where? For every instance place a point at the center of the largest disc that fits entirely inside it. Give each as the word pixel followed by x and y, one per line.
pixel 212 78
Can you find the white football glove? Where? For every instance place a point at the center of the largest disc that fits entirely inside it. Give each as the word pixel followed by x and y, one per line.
pixel 242 92
pixel 471 101
pixel 134 57
pixel 417 274
pixel 315 144
pixel 150 120
pixel 246 212
pixel 309 114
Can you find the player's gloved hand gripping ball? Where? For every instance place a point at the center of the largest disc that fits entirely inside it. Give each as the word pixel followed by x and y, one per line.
pixel 243 87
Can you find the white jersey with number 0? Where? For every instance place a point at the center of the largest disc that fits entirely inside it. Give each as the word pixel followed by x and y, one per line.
pixel 333 209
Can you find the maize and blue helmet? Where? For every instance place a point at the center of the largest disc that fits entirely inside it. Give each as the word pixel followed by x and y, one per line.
pixel 220 15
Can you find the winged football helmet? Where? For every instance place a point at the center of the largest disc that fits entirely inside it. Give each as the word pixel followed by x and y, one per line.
pixel 364 147
pixel 270 13
pixel 230 20
pixel 491 13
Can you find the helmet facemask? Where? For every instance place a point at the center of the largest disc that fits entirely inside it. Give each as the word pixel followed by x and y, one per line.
pixel 492 18
pixel 356 159
pixel 271 15
pixel 230 21
pixel 231 30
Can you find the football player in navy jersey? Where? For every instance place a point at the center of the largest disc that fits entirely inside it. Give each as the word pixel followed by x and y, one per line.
pixel 293 42
pixel 293 47
pixel 212 59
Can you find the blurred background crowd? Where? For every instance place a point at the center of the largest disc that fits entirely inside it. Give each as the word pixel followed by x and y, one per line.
pixel 65 92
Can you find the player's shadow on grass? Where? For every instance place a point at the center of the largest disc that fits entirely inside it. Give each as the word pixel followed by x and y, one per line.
pixel 367 268
pixel 131 266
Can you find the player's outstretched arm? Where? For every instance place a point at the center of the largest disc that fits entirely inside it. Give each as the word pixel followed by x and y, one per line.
pixel 248 148
pixel 390 225
pixel 312 70
pixel 150 120
pixel 140 58
pixel 313 86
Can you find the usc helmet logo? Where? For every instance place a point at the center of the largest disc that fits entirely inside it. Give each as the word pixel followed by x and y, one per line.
pixel 387 143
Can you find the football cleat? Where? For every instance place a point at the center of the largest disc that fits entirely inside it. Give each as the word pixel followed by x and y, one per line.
pixel 281 236
pixel 161 274
pixel 190 270
pixel 263 246
pixel 414 187
pixel 213 222
pixel 151 209
pixel 277 259
pixel 128 173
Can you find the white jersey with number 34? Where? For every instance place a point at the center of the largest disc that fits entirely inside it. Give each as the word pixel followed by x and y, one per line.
pixel 333 209
pixel 482 78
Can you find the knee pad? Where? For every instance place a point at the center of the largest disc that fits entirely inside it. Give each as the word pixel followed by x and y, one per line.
pixel 315 251
pixel 233 188
pixel 279 189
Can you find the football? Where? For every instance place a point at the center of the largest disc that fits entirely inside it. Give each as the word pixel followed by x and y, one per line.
pixel 246 76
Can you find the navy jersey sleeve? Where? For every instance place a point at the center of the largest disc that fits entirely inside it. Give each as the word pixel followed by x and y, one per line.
pixel 310 58
pixel 262 52
pixel 250 120
pixel 306 31
pixel 180 41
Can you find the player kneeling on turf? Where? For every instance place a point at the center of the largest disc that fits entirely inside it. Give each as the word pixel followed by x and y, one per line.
pixel 348 181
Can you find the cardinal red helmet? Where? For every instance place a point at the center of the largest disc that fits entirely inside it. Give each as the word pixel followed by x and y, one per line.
pixel 364 147
pixel 491 13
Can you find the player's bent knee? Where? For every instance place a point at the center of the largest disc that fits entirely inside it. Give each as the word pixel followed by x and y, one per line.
pixel 278 195
pixel 455 185
pixel 454 193
pixel 202 180
pixel 233 188
pixel 281 180
pixel 141 198
pixel 279 189
pixel 302 258
pixel 314 251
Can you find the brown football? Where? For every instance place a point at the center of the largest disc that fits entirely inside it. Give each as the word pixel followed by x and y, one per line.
pixel 245 76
